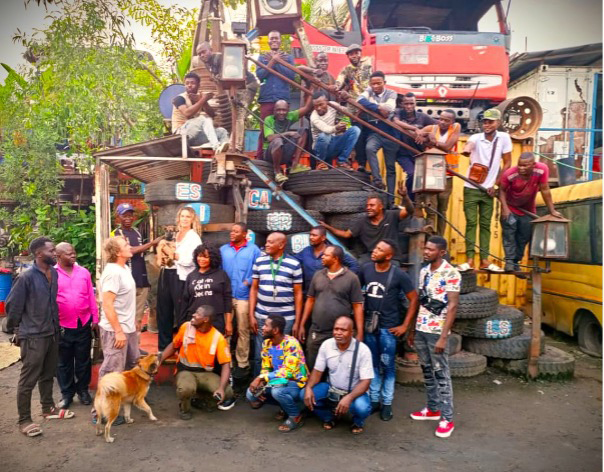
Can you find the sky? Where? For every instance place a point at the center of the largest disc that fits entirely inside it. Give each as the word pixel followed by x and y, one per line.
pixel 538 24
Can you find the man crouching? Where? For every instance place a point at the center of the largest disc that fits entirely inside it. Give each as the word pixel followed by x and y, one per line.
pixel 283 374
pixel 199 345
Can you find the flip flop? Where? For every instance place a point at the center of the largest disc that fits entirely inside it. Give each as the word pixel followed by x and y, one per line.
pixel 465 267
pixel 281 415
pixel 31 430
pixel 356 429
pixel 344 165
pixel 493 268
pixel 329 425
pixel 291 425
pixel 56 414
pixel 322 166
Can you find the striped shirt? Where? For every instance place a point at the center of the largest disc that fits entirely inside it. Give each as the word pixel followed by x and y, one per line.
pixel 281 301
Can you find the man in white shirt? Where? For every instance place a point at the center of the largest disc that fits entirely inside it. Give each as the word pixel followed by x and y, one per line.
pixel 486 150
pixel 330 135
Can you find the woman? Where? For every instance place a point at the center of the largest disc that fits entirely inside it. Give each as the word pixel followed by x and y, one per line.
pixel 209 285
pixel 172 279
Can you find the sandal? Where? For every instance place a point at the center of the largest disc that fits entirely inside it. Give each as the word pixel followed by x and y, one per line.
pixel 281 415
pixel 465 267
pixel 329 425
pixel 344 165
pixel 56 414
pixel 356 429
pixel 492 268
pixel 290 425
pixel 322 166
pixel 31 430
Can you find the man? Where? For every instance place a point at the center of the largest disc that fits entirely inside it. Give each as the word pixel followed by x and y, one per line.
pixel 276 290
pixel 331 135
pixel 442 136
pixel 200 346
pixel 353 80
pixel 439 284
pixel 321 72
pixel 283 145
pixel 519 187
pixel 125 218
pixel 379 224
pixel 350 372
pixel 385 286
pixel 191 115
pixel 78 317
pixel 486 150
pixel 238 259
pixel 283 374
pixel 311 257
pixel 272 88
pixel 382 101
pixel 334 291
pixel 243 98
pixel 33 316
pixel 415 122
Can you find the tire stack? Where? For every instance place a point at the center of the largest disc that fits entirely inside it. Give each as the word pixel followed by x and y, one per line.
pixel 497 334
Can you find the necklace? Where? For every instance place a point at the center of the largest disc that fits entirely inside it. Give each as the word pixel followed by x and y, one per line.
pixel 274 275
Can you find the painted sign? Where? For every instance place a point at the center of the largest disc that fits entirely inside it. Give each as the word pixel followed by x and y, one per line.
pixel 279 221
pixel 259 199
pixel 251 237
pixel 299 241
pixel 188 191
pixel 202 210
pixel 498 329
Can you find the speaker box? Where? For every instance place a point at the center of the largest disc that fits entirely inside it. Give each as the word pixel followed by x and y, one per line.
pixel 278 15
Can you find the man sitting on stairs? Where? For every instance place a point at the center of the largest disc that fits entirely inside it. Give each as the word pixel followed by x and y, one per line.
pixel 192 116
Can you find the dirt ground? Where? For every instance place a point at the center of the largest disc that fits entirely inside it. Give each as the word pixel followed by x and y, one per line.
pixel 511 426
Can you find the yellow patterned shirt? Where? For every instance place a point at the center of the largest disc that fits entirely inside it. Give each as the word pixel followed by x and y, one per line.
pixel 283 362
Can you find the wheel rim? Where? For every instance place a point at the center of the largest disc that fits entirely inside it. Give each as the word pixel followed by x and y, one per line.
pixel 591 339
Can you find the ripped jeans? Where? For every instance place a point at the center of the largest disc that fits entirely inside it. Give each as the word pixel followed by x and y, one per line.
pixel 382 344
pixel 437 377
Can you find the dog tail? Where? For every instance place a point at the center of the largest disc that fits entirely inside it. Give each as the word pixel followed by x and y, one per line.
pixel 111 383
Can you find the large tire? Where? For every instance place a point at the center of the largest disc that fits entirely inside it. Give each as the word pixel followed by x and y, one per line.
pixel 216 238
pixel 506 323
pixel 554 363
pixel 4 323
pixel 163 192
pixel 479 304
pixel 284 221
pixel 342 202
pixel 468 281
pixel 318 182
pixel 467 364
pixel 589 335
pixel 296 242
pixel 266 168
pixel 345 221
pixel 454 343
pixel 510 348
pixel 166 215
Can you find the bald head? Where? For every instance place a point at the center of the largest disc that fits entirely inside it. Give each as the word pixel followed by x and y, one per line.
pixel 275 244
pixel 204 51
pixel 66 255
pixel 342 331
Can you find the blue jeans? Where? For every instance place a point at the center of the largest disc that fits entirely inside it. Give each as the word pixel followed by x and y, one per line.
pixel 258 340
pixel 329 145
pixel 408 164
pixel 375 142
pixel 360 409
pixel 286 396
pixel 382 344
pixel 437 377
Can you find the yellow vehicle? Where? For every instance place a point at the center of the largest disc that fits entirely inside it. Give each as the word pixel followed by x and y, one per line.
pixel 572 291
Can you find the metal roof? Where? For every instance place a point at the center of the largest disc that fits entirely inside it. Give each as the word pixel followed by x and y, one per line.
pixel 588 55
pixel 158 159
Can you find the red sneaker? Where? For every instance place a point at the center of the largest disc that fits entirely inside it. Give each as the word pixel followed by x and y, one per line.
pixel 445 428
pixel 426 414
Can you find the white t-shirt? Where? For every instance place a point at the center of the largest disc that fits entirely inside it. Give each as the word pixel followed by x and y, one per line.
pixel 118 280
pixel 481 153
pixel 185 264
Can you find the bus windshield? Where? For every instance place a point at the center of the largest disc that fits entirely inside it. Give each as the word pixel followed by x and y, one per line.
pixel 426 15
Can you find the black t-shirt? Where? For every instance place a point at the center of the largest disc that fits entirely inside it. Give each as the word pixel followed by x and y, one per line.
pixel 137 263
pixel 419 120
pixel 374 284
pixel 370 234
pixel 211 288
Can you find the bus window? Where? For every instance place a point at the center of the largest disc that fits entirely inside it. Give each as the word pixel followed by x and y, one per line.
pixel 580 243
pixel 598 233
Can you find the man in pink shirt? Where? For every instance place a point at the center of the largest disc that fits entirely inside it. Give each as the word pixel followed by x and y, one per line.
pixel 78 316
pixel 519 187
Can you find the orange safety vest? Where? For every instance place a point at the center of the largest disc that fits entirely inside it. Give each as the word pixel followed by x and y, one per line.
pixel 452 159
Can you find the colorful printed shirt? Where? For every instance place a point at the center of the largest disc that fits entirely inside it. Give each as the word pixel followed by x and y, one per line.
pixel 283 362
pixel 355 79
pixel 444 279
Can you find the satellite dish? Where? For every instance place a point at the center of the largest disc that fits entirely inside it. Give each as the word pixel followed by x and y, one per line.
pixel 166 96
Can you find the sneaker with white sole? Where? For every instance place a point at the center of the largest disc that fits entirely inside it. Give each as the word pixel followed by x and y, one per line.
pixel 445 428
pixel 426 414
pixel 227 404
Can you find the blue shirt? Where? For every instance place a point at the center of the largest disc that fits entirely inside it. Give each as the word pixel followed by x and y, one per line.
pixel 311 264
pixel 276 296
pixel 238 266
pixel 273 88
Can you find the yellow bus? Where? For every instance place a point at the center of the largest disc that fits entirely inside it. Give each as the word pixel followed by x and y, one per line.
pixel 572 291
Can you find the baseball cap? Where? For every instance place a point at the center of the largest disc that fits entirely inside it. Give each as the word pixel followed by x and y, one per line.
pixel 492 114
pixel 123 208
pixel 353 47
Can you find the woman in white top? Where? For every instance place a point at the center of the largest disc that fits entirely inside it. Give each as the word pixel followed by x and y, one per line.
pixel 172 279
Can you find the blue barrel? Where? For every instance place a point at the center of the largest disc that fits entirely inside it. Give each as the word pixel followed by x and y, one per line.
pixel 251 140
pixel 6 281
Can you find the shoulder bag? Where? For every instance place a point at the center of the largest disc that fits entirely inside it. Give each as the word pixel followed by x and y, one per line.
pixel 372 322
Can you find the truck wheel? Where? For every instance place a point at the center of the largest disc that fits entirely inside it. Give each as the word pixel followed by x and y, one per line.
pixel 509 348
pixel 589 335
pixel 345 221
pixel 284 221
pixel 216 238
pixel 454 343
pixel 319 182
pixel 297 242
pixel 164 192
pixel 468 281
pixel 479 304
pixel 266 168
pixel 467 364
pixel 343 202
pixel 554 363
pixel 506 323
pixel 5 325
pixel 166 215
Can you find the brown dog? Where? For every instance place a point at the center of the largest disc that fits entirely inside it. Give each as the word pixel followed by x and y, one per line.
pixel 129 388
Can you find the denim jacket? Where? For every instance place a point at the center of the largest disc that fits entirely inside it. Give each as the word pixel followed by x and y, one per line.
pixel 238 266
